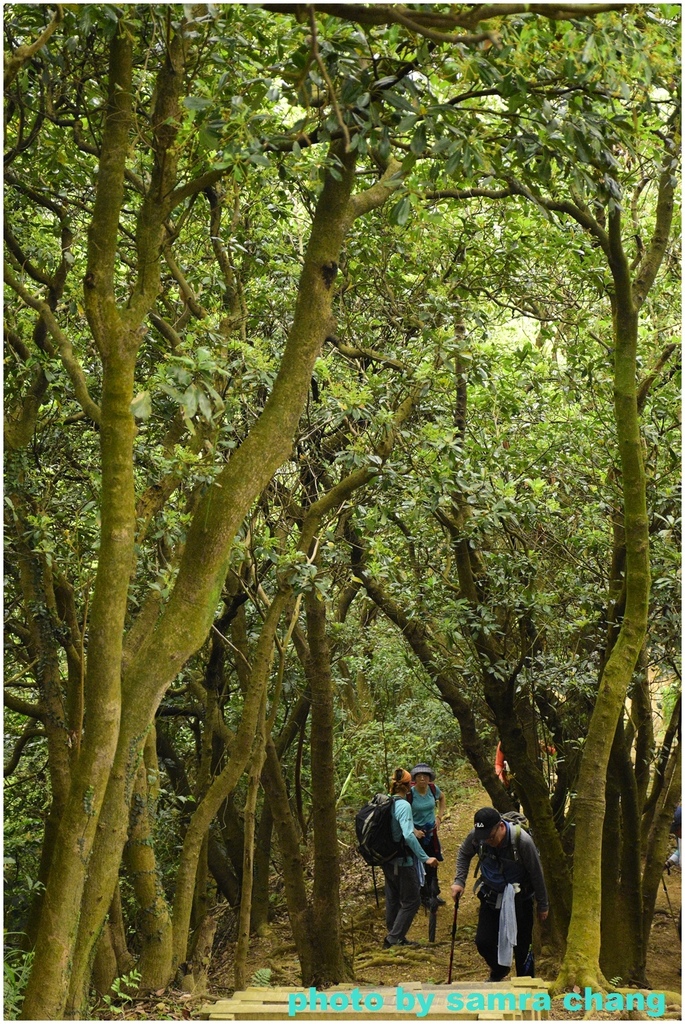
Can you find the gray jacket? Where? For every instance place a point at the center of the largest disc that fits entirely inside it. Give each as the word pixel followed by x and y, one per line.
pixel 500 865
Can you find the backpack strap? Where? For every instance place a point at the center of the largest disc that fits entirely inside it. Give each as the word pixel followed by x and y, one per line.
pixel 433 790
pixel 515 833
pixel 481 853
pixel 515 839
pixel 403 846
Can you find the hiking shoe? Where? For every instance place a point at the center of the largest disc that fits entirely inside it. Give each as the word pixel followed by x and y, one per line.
pixel 439 901
pixel 389 945
pixel 408 942
pixel 496 976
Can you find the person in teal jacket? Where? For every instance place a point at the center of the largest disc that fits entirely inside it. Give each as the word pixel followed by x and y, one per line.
pixel 403 875
pixel 428 806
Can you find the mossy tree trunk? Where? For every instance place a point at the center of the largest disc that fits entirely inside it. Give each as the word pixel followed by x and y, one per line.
pixel 622 952
pixel 656 846
pixel 250 815
pixel 44 628
pixel 581 962
pixel 299 910
pixel 154 964
pixel 121 695
pixel 661 771
pixel 328 962
pixel 225 782
pixel 117 344
pixel 260 895
pixel 259 913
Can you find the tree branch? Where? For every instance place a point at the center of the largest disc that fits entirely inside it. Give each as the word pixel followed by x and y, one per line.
pixel 376 195
pixel 99 293
pixel 16 61
pixel 22 707
pixel 651 261
pixel 326 77
pixel 69 360
pixel 38 275
pixel 644 387
pixel 423 23
pixel 29 733
pixel 353 352
pixel 579 213
pixel 187 293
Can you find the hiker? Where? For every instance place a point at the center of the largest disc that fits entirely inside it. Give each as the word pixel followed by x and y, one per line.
pixel 510 874
pixel 428 808
pixel 405 874
pixel 675 830
pixel 502 771
pixel 502 767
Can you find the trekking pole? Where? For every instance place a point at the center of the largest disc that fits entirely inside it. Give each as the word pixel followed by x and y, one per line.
pixel 454 936
pixel 668 900
pixel 433 889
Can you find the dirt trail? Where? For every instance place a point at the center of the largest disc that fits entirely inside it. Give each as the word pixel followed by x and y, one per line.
pixel 364 925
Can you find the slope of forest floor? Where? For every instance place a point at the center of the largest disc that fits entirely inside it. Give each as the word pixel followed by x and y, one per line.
pixel 272 958
pixel 364 925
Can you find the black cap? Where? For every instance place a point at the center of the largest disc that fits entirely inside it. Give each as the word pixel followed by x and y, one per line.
pixel 485 821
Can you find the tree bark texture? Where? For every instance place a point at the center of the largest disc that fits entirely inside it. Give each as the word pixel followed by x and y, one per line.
pixel 581 962
pixel 328 961
pixel 49 979
pixel 250 812
pixel 161 652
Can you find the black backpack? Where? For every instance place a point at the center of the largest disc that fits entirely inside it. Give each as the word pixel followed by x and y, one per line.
pixel 374 831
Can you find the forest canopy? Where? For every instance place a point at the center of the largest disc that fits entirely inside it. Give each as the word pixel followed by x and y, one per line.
pixel 342 427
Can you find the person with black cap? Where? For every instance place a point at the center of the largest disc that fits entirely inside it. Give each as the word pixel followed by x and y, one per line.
pixel 510 875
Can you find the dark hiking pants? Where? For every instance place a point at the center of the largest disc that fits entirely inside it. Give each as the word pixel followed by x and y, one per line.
pixel 488 931
pixel 402 900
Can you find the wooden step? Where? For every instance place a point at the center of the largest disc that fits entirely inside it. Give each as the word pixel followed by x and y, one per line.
pixel 513 999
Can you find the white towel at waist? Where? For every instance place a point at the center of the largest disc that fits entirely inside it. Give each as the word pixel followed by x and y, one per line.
pixel 506 939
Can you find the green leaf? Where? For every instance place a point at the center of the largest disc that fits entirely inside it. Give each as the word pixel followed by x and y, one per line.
pixel 419 142
pixel 190 401
pixel 197 103
pixel 400 212
pixel 141 406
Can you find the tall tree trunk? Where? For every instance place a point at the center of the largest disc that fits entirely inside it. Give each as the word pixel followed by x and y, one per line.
pixel 657 843
pixel 660 777
pixel 155 928
pixel 224 783
pixel 581 962
pixel 61 910
pixel 185 619
pixel 299 911
pixel 328 961
pixel 622 953
pixel 257 760
pixel 259 914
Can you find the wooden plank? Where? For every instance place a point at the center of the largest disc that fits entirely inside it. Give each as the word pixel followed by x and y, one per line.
pixel 250 1012
pixel 403 1002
